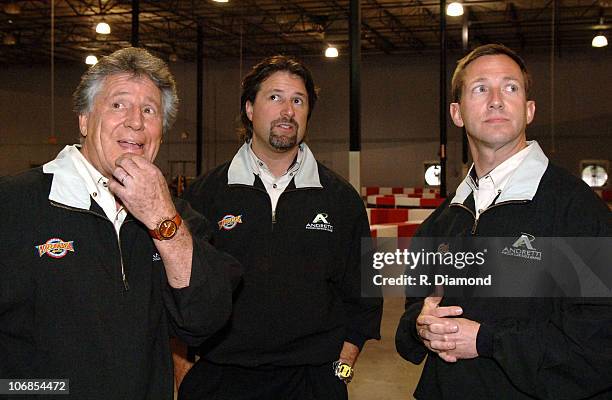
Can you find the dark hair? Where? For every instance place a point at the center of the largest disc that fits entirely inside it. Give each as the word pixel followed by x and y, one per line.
pixel 137 62
pixel 262 71
pixel 486 50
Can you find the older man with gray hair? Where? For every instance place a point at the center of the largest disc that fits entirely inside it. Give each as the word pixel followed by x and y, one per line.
pixel 100 266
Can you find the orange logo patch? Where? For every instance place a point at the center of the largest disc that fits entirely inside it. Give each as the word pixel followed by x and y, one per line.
pixel 229 222
pixel 55 248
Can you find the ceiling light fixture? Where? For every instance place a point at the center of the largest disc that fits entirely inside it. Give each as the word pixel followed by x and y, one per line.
pixel 9 39
pixel 331 52
pixel 599 41
pixel 454 9
pixel 103 28
pixel 12 9
pixel 91 60
pixel 221 1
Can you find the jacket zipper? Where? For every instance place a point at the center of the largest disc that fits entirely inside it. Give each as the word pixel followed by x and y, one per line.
pixel 126 285
pixel 123 277
pixel 281 195
pixel 476 220
pixel 264 191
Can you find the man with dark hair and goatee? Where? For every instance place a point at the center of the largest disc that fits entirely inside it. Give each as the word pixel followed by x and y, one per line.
pixel 299 320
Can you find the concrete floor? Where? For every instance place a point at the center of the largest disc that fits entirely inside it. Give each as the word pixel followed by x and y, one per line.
pixel 380 372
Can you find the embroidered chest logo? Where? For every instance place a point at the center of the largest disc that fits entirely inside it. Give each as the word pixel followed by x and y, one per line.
pixel 156 257
pixel 55 248
pixel 320 223
pixel 443 248
pixel 523 247
pixel 229 222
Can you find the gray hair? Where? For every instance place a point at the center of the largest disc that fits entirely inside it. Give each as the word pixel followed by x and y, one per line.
pixel 137 62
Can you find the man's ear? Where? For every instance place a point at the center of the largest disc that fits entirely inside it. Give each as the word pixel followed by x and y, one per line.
pixel 248 106
pixel 455 113
pixel 530 111
pixel 83 124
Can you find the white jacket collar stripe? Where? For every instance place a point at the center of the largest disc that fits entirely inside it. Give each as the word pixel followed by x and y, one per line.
pixel 67 186
pixel 522 185
pixel 240 171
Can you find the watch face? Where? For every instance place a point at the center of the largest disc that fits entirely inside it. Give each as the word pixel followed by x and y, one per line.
pixel 344 371
pixel 167 229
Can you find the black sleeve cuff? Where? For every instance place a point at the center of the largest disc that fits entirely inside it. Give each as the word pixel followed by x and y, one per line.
pixel 407 341
pixel 484 340
pixel 356 338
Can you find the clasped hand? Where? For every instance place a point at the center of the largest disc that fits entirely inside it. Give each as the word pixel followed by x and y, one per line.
pixel 442 332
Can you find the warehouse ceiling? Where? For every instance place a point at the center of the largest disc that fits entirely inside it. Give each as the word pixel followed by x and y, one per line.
pixel 255 28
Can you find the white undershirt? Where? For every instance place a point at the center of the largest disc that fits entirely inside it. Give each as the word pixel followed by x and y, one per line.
pixel 97 186
pixel 275 186
pixel 487 188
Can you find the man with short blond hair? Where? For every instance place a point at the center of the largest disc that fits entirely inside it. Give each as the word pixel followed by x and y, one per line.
pixel 520 347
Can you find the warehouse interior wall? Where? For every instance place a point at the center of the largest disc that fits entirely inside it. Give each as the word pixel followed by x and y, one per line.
pixel 399 114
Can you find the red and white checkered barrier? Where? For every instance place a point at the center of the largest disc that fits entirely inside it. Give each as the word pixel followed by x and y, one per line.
pixel 413 195
pixel 394 202
pixel 371 190
pixel 393 222
pixel 605 194
pixel 396 215
pixel 398 229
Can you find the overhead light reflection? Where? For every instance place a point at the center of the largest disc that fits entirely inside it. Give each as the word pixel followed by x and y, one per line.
pixel 103 28
pixel 331 52
pixel 91 60
pixel 599 41
pixel 454 9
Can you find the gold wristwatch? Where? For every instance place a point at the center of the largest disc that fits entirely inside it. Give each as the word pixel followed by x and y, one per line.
pixel 167 228
pixel 343 371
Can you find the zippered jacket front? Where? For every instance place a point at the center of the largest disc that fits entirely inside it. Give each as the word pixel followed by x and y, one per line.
pixel 529 347
pixel 301 293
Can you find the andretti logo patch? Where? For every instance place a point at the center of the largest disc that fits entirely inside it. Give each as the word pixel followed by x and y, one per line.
pixel 320 223
pixel 523 247
pixel 229 222
pixel 55 248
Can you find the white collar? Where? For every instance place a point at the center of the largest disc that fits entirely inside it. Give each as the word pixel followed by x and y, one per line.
pixel 76 181
pixel 68 186
pixel 500 175
pixel 259 167
pixel 241 169
pixel 522 184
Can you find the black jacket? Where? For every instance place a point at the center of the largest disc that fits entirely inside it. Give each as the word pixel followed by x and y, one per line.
pixel 67 314
pixel 529 348
pixel 300 298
